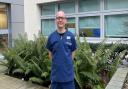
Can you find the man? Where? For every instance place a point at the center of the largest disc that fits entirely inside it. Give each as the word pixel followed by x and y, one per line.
pixel 61 46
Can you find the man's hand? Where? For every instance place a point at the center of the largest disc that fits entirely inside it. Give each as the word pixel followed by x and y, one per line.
pixel 73 54
pixel 50 55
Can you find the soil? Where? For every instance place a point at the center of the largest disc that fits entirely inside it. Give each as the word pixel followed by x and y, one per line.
pixel 126 83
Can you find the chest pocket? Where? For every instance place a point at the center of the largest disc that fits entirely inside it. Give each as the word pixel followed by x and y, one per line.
pixel 68 44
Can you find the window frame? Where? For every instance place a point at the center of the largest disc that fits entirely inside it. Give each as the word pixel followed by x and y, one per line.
pixel 102 13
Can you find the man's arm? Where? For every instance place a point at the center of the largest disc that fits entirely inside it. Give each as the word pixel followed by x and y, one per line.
pixel 73 48
pixel 50 55
pixel 73 55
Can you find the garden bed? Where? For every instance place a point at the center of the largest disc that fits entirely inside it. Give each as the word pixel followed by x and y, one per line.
pixel 92 68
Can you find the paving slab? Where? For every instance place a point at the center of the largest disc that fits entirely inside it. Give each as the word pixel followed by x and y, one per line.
pixel 112 87
pixel 7 82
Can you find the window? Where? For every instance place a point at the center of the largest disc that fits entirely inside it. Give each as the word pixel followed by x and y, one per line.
pixel 67 7
pixel 3 16
pixel 116 4
pixel 3 41
pixel 89 18
pixel 89 26
pixel 48 26
pixel 89 5
pixel 116 25
pixel 71 25
pixel 48 9
pixel 3 26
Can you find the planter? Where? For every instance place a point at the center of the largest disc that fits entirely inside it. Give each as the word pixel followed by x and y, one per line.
pixel 118 79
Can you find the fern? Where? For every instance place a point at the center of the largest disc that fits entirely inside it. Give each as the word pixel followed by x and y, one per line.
pixel 29 58
pixel 89 64
pixel 21 71
pixel 36 80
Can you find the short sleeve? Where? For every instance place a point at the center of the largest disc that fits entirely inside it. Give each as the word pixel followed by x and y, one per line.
pixel 48 44
pixel 74 45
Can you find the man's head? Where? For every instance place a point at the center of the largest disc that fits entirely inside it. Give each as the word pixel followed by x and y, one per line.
pixel 60 20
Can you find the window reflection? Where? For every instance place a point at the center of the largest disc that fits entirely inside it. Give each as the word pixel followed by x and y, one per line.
pixel 3 16
pixel 3 41
pixel 89 26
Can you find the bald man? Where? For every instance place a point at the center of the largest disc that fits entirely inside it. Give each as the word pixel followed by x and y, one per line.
pixel 61 45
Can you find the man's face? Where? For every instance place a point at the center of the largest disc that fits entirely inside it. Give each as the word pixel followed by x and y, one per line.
pixel 60 19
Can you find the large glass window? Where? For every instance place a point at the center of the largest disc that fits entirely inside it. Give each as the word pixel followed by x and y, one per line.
pixel 3 16
pixel 67 7
pixel 89 5
pixel 116 4
pixel 116 25
pixel 48 9
pixel 89 26
pixel 48 26
pixel 71 25
pixel 3 41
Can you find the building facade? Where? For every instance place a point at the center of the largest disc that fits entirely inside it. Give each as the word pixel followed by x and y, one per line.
pixel 93 19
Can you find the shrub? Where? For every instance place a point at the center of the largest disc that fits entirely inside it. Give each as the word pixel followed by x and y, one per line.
pixel 29 60
pixel 93 68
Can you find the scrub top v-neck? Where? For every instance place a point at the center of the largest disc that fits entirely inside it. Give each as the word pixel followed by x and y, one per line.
pixel 61 47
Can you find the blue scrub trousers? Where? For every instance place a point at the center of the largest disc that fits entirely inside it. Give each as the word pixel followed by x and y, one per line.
pixel 63 85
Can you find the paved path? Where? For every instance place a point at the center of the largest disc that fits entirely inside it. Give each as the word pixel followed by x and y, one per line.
pixel 7 82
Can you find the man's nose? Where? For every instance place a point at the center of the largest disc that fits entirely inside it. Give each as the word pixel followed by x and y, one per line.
pixel 60 19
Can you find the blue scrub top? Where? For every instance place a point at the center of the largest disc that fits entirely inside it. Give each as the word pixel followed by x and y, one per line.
pixel 61 49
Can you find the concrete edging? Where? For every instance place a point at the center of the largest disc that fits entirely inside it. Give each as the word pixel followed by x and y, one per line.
pixel 118 79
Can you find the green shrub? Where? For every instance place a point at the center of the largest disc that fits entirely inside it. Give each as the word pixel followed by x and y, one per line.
pixel 29 60
pixel 91 66
pixel 118 49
